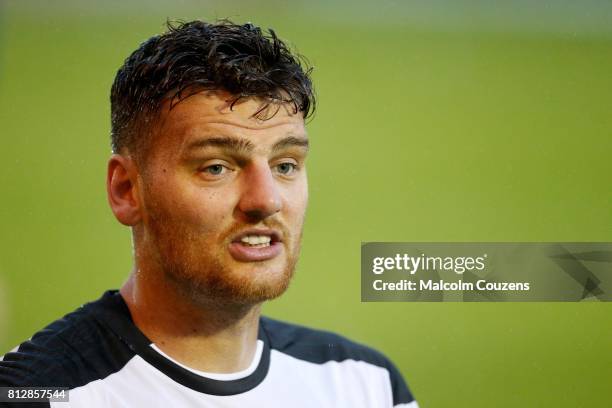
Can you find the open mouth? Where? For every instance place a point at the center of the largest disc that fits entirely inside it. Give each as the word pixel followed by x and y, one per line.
pixel 256 245
pixel 256 241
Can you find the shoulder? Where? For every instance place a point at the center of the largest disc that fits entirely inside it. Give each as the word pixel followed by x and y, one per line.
pixel 69 352
pixel 319 347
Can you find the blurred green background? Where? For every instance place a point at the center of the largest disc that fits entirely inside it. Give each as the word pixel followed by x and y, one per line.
pixel 437 121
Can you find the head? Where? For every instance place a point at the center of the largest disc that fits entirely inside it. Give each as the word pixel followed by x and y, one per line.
pixel 209 158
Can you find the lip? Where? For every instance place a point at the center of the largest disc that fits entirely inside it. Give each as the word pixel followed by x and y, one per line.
pixel 244 253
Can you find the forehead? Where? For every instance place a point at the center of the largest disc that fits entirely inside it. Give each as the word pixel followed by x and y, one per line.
pixel 214 113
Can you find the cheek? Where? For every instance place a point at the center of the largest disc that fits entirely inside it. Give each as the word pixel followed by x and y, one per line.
pixel 208 209
pixel 195 208
pixel 296 201
pixel 204 207
pixel 304 194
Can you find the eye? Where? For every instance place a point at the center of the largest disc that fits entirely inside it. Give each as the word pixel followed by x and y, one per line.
pixel 286 168
pixel 215 169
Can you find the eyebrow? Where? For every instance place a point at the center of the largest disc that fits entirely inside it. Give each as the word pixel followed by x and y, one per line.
pixel 244 145
pixel 291 141
pixel 229 143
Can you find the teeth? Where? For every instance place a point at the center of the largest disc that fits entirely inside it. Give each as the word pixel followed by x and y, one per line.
pixel 257 241
pixel 259 245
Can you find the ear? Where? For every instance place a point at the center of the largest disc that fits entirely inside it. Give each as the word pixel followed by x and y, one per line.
pixel 122 189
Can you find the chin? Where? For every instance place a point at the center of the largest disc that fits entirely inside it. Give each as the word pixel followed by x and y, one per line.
pixel 261 282
pixel 234 283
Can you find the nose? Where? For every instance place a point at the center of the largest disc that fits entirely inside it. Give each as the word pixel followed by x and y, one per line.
pixel 260 196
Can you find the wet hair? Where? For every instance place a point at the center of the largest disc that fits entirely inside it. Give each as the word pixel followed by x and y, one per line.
pixel 195 56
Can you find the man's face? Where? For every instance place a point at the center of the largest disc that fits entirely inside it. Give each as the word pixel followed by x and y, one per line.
pixel 224 196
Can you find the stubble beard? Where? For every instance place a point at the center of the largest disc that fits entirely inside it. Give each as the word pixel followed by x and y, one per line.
pixel 203 275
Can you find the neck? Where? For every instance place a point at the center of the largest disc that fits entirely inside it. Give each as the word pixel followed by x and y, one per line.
pixel 204 335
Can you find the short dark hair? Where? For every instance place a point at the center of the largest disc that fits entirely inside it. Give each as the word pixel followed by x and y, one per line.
pixel 194 56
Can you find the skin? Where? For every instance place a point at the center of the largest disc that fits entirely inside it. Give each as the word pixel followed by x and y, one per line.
pixel 210 174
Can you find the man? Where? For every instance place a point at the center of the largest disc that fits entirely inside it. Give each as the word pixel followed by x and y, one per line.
pixel 209 172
